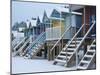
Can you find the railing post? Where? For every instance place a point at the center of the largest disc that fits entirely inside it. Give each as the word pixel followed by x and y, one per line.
pixel 70 24
pixel 66 58
pixel 53 54
pixel 76 58
pixel 49 53
pixel 76 47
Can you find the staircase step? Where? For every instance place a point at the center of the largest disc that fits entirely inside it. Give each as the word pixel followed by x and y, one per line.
pixel 77 41
pixel 83 64
pixel 62 52
pixel 93 45
pixel 88 56
pixel 61 56
pixel 79 38
pixel 72 45
pixel 71 49
pixel 61 61
pixel 84 61
pixel 91 50
pixel 89 53
pixel 68 49
pixel 81 67
pixel 70 53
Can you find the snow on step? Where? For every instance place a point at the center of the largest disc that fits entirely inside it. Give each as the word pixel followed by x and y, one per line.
pixel 70 48
pixel 67 52
pixel 70 52
pixel 91 50
pixel 77 41
pixel 93 45
pixel 72 45
pixel 61 61
pixel 79 38
pixel 88 56
pixel 81 67
pixel 84 61
pixel 62 52
pixel 61 56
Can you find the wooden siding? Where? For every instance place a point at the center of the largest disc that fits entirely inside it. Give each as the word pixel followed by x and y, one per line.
pixel 58 23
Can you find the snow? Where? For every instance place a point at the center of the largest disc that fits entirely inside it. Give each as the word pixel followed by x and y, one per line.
pixel 27 22
pixel 22 65
pixel 21 28
pixel 33 22
pixel 76 13
pixel 62 9
pixel 66 10
pixel 18 34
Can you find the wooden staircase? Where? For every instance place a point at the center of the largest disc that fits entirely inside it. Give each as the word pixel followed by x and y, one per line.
pixel 21 46
pixel 89 57
pixel 16 41
pixel 68 55
pixel 36 46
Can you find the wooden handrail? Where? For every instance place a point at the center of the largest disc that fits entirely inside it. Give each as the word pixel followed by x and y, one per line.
pixel 22 47
pixel 85 35
pixel 83 40
pixel 74 36
pixel 35 41
pixel 59 39
pixel 20 43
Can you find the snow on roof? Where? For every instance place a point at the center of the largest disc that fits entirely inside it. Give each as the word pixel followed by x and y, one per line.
pixel 27 23
pixel 18 34
pixel 40 17
pixel 66 10
pixel 21 28
pixel 48 13
pixel 76 13
pixel 62 9
pixel 33 21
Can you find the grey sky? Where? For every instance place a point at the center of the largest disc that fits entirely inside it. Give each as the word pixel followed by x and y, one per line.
pixel 21 11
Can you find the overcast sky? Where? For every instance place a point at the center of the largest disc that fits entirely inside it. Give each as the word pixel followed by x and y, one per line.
pixel 21 11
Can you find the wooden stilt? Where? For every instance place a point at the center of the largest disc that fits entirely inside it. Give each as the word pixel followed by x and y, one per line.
pixel 48 51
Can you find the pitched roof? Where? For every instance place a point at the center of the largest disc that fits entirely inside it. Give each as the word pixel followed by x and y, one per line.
pixel 33 22
pixel 45 17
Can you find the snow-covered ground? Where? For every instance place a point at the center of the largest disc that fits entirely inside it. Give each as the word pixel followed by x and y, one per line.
pixel 22 65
